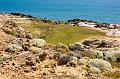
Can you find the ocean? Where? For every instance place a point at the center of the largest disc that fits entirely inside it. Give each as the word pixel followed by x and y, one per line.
pixel 98 10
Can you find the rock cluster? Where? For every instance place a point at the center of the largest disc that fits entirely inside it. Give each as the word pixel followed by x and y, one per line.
pixel 24 55
pixel 11 28
pixel 101 43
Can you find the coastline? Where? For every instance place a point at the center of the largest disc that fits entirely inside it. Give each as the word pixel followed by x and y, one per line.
pixel 110 28
pixel 79 19
pixel 24 56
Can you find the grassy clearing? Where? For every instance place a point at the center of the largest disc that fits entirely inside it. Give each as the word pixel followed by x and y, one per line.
pixel 61 33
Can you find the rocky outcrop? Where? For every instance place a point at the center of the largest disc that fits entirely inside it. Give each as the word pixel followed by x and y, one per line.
pixel 101 43
pixel 10 27
pixel 77 46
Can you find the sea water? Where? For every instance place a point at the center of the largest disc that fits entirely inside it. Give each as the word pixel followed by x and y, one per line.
pixel 98 10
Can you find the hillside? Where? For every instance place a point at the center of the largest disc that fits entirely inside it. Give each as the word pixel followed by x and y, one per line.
pixel 36 48
pixel 53 31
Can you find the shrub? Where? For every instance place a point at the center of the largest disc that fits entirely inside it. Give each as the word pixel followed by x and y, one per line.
pixel 13 48
pixel 35 50
pixel 101 64
pixel 37 42
pixel 83 61
pixel 112 55
pixel 95 70
pixel 61 48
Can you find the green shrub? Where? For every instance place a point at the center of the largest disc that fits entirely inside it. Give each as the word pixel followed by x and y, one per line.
pixel 37 42
pixel 61 48
pixel 101 64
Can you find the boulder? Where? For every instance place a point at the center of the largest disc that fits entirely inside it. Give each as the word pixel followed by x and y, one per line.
pixel 37 42
pixel 103 65
pixel 77 46
pixel 64 59
pixel 75 53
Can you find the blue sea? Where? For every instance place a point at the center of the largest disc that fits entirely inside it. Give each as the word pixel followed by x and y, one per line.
pixel 98 10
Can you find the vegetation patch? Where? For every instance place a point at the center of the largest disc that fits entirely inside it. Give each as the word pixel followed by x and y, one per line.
pixel 113 74
pixel 61 33
pixel 116 64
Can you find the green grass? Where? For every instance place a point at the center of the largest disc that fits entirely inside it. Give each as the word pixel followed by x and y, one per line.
pixel 113 74
pixel 116 64
pixel 61 33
